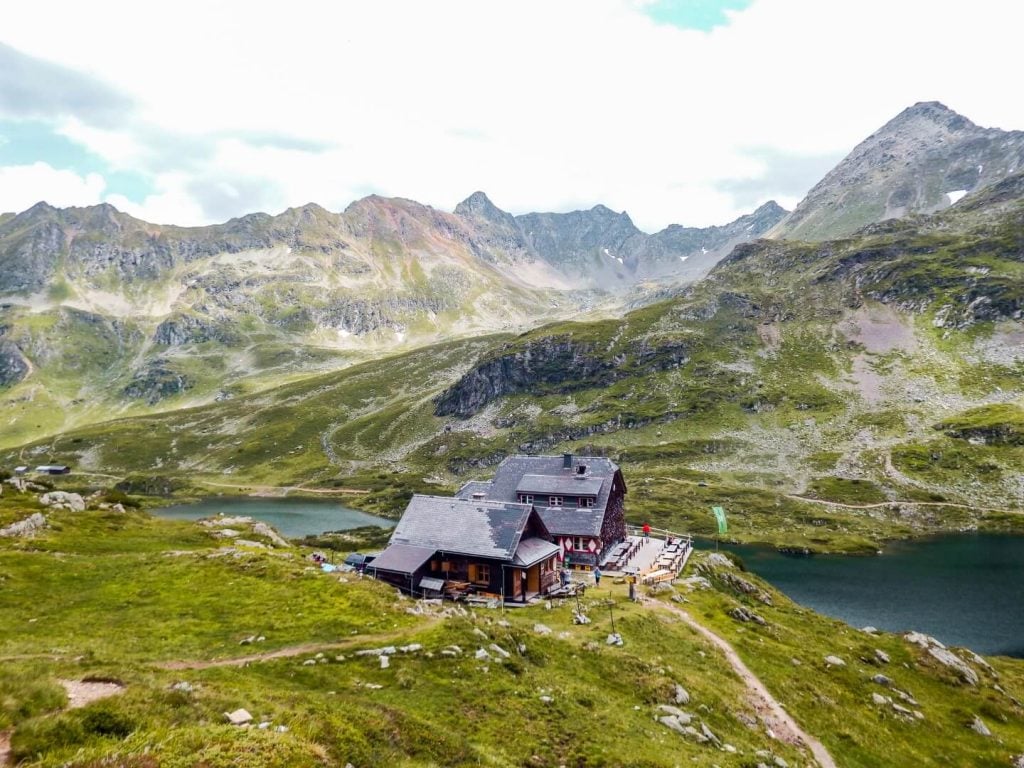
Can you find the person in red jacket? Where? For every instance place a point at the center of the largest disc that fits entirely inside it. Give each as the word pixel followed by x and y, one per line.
pixel 647 530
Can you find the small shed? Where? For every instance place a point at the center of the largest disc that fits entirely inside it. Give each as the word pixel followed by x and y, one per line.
pixel 431 587
pixel 21 470
pixel 53 469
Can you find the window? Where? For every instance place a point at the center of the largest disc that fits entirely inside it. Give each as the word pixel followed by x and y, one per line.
pixel 589 502
pixel 525 498
pixel 580 543
pixel 482 575
pixel 554 501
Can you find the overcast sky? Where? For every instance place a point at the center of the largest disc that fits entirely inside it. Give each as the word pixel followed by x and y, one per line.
pixel 677 111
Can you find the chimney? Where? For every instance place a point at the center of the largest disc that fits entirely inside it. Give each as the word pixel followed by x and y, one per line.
pixel 566 461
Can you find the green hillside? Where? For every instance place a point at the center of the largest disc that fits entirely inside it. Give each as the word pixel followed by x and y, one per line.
pixel 830 395
pixel 260 629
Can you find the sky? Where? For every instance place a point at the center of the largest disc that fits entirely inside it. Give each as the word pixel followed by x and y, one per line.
pixel 676 111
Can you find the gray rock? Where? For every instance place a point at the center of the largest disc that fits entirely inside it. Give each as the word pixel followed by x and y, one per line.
pixel 882 680
pixel 954 662
pixel 834 661
pixel 882 656
pixel 673 722
pixel 743 614
pixel 385 662
pixel 879 699
pixel 500 651
pixel 262 529
pixel 542 629
pixel 978 726
pixel 238 717
pixel 30 525
pixel 683 717
pixel 923 640
pixel 63 500
pixel 709 735
pixel 680 695
pixel 482 654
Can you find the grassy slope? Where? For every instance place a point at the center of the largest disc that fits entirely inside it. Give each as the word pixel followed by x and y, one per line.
pixel 833 372
pixel 431 709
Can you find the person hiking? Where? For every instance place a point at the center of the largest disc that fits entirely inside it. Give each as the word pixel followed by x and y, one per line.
pixel 647 530
pixel 597 576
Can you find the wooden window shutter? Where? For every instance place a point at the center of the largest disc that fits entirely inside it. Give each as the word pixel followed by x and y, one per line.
pixel 472 571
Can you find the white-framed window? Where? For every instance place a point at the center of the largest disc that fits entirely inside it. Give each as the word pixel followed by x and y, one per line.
pixel 525 498
pixel 588 502
pixel 580 543
pixel 554 501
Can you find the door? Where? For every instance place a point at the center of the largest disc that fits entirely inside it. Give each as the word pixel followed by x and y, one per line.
pixel 533 579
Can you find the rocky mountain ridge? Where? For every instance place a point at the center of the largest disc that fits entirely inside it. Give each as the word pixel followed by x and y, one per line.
pixel 924 159
pixel 98 307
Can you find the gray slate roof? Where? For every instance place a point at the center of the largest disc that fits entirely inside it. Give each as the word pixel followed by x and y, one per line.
pixel 561 485
pixel 474 486
pixel 485 528
pixel 512 470
pixel 401 558
pixel 533 550
pixel 577 521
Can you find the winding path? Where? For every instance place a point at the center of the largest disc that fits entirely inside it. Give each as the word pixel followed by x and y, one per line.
pixel 294 650
pixel 284 489
pixel 766 705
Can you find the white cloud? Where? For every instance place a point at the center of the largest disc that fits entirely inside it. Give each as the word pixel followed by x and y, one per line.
pixel 22 186
pixel 170 204
pixel 542 105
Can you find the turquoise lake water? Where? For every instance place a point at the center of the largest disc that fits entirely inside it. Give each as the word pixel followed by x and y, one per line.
pixel 293 518
pixel 966 589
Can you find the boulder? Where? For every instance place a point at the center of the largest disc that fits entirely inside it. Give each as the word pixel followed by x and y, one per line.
pixel 542 629
pixel 923 640
pixel 500 651
pixel 683 717
pixel 834 661
pixel 262 529
pixel 673 722
pixel 882 680
pixel 27 527
pixel 882 656
pixel 62 500
pixel 238 717
pixel 680 695
pixel 709 735
pixel 955 663
pixel 978 726
pixel 743 614
pixel 718 560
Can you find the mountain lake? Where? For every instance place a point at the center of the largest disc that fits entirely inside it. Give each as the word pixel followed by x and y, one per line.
pixel 964 589
pixel 294 518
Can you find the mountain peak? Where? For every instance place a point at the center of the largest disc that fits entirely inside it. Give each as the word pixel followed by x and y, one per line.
pixel 771 208
pixel 928 113
pixel 479 205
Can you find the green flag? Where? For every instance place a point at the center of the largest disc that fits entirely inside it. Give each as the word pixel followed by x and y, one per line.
pixel 723 527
